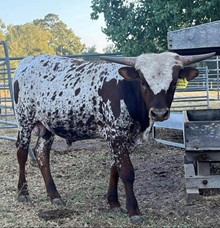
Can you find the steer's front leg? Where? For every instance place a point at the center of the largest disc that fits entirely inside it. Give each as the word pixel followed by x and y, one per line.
pixel 126 173
pixel 113 188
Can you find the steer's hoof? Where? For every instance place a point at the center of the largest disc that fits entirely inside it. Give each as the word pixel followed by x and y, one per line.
pixel 58 201
pixel 136 219
pixel 24 198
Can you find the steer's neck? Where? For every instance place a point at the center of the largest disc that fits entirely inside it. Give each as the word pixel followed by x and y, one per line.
pixel 135 103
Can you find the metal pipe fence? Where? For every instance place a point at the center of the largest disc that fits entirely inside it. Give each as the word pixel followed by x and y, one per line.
pixel 195 95
pixel 6 95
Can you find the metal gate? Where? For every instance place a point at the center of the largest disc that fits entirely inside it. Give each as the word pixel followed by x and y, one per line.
pixel 195 95
pixel 6 98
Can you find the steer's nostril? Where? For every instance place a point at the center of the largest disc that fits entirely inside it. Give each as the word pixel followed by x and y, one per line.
pixel 165 114
pixel 153 114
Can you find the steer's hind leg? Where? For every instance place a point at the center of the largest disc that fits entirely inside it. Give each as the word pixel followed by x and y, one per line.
pixel 22 144
pixel 42 153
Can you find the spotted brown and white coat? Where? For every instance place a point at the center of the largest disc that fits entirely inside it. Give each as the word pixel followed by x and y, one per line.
pixel 82 100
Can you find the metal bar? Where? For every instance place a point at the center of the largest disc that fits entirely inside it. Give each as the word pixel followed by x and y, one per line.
pixel 207 86
pixel 169 143
pixel 69 56
pixel 185 107
pixel 6 115
pixel 217 69
pixel 8 123
pixel 8 138
pixel 7 127
pixel 6 107
pixel 181 99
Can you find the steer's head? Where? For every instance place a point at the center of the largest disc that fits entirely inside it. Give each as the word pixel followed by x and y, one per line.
pixel 158 75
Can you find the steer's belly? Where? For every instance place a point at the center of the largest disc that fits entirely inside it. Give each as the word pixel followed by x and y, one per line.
pixel 75 128
pixel 76 133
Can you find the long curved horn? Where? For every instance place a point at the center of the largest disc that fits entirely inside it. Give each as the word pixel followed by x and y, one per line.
pixel 195 58
pixel 129 61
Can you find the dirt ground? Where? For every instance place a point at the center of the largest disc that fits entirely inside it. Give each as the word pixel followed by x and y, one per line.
pixel 81 176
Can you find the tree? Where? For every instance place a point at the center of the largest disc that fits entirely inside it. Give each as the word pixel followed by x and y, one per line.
pixel 28 39
pixel 49 35
pixel 141 26
pixel 90 50
pixel 2 36
pixel 2 30
pixel 63 40
pixel 110 48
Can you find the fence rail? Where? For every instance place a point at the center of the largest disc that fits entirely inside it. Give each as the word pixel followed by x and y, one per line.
pixel 196 90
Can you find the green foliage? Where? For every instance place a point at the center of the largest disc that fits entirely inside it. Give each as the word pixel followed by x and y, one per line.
pixel 49 35
pixel 90 50
pixel 63 40
pixel 2 36
pixel 28 39
pixel 110 48
pixel 141 26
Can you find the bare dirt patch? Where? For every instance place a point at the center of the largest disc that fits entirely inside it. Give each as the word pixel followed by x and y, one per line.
pixel 82 177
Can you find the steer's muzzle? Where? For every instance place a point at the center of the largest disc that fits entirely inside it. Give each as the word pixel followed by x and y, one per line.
pixel 159 114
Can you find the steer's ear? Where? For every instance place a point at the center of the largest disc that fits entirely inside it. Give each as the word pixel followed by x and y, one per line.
pixel 128 73
pixel 189 73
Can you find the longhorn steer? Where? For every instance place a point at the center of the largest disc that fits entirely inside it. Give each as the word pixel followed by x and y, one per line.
pixel 82 100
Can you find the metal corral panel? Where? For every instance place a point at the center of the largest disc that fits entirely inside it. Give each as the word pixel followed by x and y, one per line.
pixel 205 36
pixel 202 130
pixel 6 94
